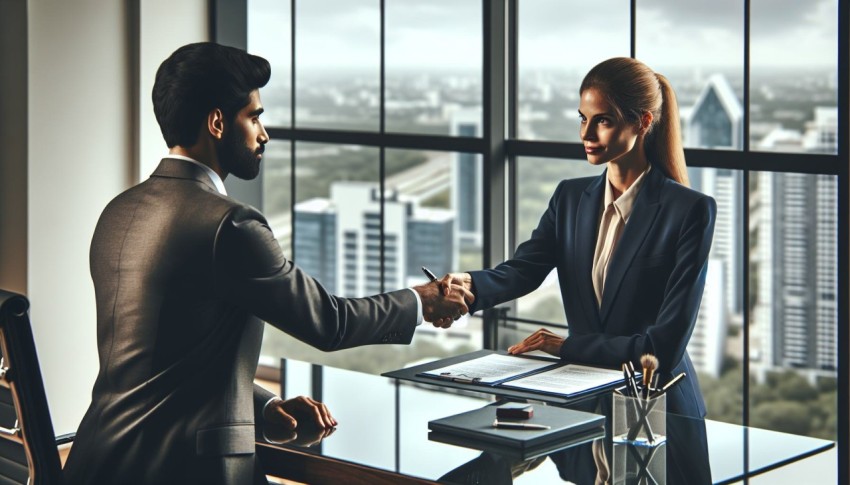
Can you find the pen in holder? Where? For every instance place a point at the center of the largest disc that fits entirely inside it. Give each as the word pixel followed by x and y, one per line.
pixel 639 421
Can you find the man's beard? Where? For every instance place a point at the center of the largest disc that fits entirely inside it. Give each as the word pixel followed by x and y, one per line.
pixel 237 158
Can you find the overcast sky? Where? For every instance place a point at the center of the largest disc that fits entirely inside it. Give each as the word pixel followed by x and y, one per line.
pixel 553 33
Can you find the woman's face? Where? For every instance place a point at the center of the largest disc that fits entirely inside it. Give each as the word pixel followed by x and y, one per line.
pixel 606 138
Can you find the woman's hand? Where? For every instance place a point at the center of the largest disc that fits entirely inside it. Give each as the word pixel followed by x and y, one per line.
pixel 542 339
pixel 453 280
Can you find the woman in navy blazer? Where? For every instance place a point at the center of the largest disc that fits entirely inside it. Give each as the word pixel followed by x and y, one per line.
pixel 656 272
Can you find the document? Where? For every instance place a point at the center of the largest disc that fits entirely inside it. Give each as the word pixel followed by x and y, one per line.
pixel 567 380
pixel 490 369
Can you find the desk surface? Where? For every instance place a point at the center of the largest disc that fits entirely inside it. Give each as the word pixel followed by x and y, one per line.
pixel 383 427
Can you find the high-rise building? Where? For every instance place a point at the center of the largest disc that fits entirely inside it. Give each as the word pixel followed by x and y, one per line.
pixel 338 239
pixel 467 183
pixel 715 121
pixel 315 246
pixel 794 240
pixel 707 344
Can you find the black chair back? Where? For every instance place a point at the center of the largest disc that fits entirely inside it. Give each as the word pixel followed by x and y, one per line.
pixel 28 452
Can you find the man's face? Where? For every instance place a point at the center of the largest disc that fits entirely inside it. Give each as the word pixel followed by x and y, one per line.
pixel 241 148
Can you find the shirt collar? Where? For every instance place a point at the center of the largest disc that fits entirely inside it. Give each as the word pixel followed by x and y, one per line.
pixel 626 202
pixel 216 180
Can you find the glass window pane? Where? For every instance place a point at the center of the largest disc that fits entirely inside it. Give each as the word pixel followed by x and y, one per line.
pixel 793 296
pixel 716 345
pixel 336 192
pixel 559 41
pixel 433 65
pixel 276 195
pixel 537 179
pixel 337 62
pixel 270 36
pixel 699 47
pixel 794 76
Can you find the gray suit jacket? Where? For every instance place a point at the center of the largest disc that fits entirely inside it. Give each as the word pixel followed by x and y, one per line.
pixel 178 271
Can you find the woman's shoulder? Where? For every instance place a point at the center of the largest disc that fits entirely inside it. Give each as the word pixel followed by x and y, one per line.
pixel 680 193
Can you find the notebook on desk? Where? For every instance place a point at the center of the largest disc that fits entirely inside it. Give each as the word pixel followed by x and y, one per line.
pixel 474 429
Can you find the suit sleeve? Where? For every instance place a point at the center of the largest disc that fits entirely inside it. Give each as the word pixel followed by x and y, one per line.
pixel 261 397
pixel 668 337
pixel 251 272
pixel 522 274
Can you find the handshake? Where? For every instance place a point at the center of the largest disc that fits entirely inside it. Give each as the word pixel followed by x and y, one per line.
pixel 447 299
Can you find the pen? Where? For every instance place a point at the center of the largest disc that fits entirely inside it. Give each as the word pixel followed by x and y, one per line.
pixel 431 276
pixel 512 425
pixel 670 384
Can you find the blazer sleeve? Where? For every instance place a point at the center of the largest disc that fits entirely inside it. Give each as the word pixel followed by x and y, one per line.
pixel 522 274
pixel 251 272
pixel 668 337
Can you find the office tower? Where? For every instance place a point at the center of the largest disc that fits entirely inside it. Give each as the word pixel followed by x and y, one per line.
pixel 358 230
pixel 338 239
pixel 795 241
pixel 715 121
pixel 430 239
pixel 467 181
pixel 315 246
pixel 707 344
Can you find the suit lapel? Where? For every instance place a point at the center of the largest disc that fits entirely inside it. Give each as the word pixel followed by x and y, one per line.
pixel 640 222
pixel 587 227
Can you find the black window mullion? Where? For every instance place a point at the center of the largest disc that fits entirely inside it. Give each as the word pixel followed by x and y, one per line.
pixel 382 157
pixel 512 88
pixel 745 227
pixel 633 28
pixel 292 196
pixel 843 248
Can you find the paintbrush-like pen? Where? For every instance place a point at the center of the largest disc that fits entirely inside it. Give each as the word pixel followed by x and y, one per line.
pixel 649 364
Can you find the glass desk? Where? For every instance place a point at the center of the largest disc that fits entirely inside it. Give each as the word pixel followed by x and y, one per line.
pixel 382 437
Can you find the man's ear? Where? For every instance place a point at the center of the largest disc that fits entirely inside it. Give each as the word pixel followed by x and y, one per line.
pixel 215 123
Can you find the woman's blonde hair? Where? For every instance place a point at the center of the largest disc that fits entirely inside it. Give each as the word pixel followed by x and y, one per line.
pixel 634 89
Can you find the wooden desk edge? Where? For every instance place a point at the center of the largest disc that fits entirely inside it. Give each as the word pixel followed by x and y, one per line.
pixel 306 467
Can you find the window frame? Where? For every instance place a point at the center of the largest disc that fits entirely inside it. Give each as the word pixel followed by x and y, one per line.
pixel 500 149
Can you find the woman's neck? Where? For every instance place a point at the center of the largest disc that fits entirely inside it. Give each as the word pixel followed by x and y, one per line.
pixel 623 172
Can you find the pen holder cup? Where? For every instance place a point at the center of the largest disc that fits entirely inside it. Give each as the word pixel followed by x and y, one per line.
pixel 638 421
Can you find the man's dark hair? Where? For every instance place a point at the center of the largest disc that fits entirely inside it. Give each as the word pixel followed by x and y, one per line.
pixel 198 78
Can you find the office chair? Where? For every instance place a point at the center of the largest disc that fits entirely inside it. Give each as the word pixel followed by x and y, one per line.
pixel 28 453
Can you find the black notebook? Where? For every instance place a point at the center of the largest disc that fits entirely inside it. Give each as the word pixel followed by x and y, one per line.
pixel 474 429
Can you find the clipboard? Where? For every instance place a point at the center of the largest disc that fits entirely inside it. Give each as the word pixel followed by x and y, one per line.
pixel 417 376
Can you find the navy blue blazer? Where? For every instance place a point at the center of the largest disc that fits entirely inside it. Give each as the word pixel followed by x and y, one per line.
pixel 653 287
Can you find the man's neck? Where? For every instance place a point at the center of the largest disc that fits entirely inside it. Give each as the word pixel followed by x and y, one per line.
pixel 201 155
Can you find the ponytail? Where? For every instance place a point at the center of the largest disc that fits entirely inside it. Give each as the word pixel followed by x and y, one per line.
pixel 634 89
pixel 663 144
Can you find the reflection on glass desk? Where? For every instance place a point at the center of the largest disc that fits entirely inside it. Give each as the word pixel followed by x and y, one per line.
pixel 382 437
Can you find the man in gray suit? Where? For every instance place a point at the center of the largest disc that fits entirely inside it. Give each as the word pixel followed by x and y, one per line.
pixel 179 270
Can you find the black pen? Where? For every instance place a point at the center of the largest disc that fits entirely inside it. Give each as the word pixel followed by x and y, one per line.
pixel 431 276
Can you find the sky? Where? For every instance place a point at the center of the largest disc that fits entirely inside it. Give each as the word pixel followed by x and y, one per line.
pixel 553 33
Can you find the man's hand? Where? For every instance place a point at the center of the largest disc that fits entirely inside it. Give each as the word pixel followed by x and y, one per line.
pixel 307 411
pixel 279 434
pixel 440 308
pixel 542 339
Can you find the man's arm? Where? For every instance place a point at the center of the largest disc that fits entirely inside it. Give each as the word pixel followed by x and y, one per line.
pixel 252 273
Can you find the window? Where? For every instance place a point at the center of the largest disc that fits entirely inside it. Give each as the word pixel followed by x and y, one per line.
pixel 400 129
